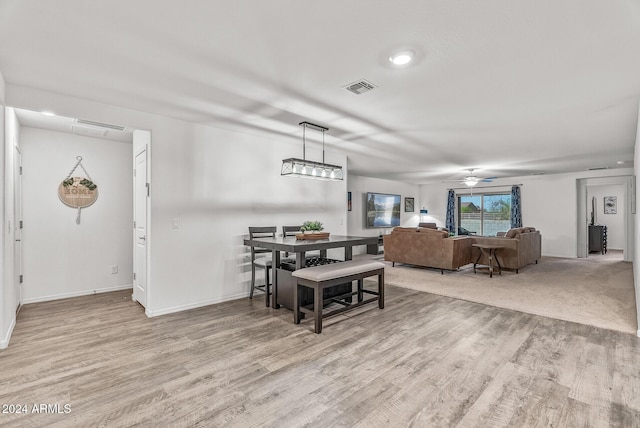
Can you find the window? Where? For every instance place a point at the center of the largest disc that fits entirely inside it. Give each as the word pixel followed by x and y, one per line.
pixel 484 214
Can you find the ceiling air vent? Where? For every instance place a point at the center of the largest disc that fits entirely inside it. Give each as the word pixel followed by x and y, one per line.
pixel 92 131
pixel 100 124
pixel 360 87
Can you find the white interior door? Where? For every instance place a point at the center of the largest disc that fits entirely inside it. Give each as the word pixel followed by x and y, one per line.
pixel 140 195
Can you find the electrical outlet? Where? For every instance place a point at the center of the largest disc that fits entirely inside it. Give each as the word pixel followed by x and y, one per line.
pixel 114 269
pixel 175 223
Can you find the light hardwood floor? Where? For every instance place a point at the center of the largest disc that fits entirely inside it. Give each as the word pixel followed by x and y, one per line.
pixel 423 361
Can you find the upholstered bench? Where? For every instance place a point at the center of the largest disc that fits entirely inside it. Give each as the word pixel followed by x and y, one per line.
pixel 320 277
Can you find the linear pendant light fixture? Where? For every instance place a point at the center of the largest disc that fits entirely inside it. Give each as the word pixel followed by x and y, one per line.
pixel 294 167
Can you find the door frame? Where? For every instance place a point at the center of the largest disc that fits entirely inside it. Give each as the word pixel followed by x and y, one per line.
pixel 142 141
pixel 18 250
pixel 583 220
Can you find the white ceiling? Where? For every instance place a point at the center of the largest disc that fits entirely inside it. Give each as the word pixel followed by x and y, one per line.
pixel 507 87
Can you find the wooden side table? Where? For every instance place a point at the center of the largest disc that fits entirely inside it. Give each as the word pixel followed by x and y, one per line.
pixel 490 251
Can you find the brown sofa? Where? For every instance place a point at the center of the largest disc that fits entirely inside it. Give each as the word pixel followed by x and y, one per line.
pixel 434 248
pixel 427 247
pixel 522 246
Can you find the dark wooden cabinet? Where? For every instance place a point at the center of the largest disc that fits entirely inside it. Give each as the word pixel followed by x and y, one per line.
pixel 598 238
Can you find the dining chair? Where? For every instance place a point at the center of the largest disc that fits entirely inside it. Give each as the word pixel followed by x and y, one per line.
pixel 292 231
pixel 264 263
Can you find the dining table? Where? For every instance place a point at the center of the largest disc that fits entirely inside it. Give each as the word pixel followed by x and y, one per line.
pixel 299 247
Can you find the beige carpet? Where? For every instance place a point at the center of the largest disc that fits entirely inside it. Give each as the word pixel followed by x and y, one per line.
pixel 595 291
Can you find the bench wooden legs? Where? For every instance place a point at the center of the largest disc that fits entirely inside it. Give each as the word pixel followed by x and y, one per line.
pixel 318 302
pixel 296 304
pixel 381 290
pixel 317 308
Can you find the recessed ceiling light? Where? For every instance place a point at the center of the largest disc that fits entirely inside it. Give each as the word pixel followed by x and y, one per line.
pixel 402 57
pixel 48 113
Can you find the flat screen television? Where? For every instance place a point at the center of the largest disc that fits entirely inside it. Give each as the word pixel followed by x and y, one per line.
pixel 382 210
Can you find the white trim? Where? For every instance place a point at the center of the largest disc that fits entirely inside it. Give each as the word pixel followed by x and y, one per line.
pixel 638 333
pixel 77 294
pixel 174 309
pixel 4 343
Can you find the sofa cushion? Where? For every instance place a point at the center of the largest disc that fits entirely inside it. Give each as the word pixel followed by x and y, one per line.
pixel 434 232
pixel 428 225
pixel 511 233
pixel 399 229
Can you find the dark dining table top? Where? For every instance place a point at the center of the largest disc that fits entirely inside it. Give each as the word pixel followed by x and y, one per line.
pixel 293 245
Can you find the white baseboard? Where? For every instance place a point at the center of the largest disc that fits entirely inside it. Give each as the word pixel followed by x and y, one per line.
pixel 174 309
pixel 5 340
pixel 76 294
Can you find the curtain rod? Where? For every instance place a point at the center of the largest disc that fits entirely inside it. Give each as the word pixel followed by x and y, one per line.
pixel 484 187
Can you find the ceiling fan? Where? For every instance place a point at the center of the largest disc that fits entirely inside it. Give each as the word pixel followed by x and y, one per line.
pixel 472 179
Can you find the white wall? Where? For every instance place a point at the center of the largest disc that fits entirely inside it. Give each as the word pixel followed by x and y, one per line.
pixel 548 204
pixel 359 186
pixel 614 222
pixel 217 183
pixel 636 260
pixel 61 258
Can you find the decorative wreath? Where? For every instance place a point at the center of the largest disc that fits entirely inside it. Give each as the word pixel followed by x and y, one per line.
pixel 85 182
pixel 78 192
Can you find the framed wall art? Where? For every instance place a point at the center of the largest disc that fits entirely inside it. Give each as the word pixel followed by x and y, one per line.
pixel 610 205
pixel 408 205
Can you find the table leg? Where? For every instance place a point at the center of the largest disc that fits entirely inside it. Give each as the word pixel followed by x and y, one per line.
pixel 300 260
pixel 477 260
pixel 348 252
pixel 495 253
pixel 296 304
pixel 491 253
pixel 275 264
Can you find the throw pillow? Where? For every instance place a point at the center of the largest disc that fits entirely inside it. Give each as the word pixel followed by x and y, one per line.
pixel 511 233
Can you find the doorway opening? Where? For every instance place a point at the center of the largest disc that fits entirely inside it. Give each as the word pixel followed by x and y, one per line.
pixel 59 257
pixel 605 227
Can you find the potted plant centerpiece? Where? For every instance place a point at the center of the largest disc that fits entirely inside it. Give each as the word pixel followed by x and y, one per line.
pixel 313 230
pixel 311 227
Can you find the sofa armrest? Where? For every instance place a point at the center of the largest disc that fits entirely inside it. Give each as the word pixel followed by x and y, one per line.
pixel 456 252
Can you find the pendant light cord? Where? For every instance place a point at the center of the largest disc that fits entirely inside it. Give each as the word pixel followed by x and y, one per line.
pixel 323 146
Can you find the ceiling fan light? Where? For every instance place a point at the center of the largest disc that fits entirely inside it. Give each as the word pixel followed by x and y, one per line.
pixel 471 181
